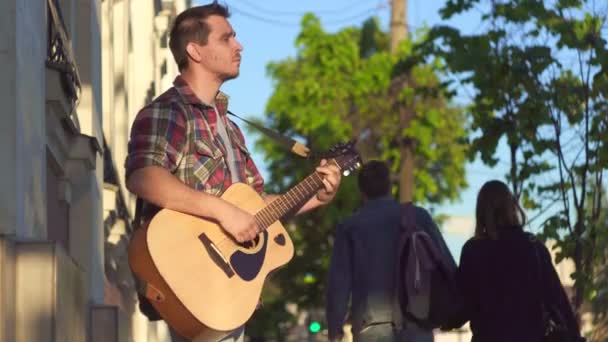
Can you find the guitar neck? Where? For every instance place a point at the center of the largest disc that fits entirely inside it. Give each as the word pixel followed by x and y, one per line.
pixel 295 197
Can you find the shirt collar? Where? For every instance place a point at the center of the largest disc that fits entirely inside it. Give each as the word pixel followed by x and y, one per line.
pixel 183 88
pixel 379 200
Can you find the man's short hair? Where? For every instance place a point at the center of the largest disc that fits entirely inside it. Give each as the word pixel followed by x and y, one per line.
pixel 375 179
pixel 191 26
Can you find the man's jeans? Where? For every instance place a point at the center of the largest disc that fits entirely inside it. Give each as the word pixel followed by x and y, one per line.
pixel 386 332
pixel 412 333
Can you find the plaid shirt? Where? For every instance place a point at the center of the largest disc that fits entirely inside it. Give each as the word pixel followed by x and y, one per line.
pixel 179 132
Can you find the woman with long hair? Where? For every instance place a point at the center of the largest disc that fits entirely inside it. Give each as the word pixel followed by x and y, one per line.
pixel 508 281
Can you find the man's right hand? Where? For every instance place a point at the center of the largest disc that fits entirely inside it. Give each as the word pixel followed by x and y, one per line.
pixel 159 187
pixel 239 223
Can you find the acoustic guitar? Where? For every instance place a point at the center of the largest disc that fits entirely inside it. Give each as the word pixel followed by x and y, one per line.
pixel 202 281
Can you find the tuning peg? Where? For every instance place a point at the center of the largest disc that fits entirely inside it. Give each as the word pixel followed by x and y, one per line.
pixel 346 173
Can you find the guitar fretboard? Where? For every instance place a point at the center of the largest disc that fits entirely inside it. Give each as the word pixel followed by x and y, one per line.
pixel 296 196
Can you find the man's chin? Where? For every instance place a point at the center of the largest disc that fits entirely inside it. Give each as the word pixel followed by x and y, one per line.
pixel 228 77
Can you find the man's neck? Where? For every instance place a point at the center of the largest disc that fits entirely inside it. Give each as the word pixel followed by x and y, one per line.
pixel 204 85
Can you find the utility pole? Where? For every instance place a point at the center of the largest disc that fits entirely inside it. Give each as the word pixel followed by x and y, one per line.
pixel 398 23
pixel 404 110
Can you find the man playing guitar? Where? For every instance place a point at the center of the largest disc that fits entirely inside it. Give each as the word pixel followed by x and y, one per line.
pixel 184 152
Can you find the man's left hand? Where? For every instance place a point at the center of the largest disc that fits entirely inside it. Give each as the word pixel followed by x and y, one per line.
pixel 331 181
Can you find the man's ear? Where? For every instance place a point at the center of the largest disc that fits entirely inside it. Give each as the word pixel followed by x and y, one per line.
pixel 193 52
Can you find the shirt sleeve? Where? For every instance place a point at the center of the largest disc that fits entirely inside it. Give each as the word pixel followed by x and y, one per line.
pixel 465 278
pixel 339 282
pixel 157 138
pixel 555 293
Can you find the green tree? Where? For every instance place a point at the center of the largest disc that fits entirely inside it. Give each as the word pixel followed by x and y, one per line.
pixel 539 72
pixel 342 85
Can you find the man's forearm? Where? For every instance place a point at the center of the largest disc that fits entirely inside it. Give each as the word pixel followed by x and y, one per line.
pixel 159 187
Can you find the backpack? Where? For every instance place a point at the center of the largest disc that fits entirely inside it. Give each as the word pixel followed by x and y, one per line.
pixel 427 293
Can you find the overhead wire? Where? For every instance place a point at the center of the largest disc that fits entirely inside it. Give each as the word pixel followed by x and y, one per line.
pixel 283 23
pixel 369 11
pixel 263 19
pixel 302 12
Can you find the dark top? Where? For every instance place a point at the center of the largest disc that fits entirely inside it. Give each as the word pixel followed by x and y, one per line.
pixel 363 264
pixel 502 289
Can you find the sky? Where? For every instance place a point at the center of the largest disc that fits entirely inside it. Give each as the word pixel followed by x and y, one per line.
pixel 268 29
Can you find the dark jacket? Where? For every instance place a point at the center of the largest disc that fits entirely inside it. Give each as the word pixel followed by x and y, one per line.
pixel 363 265
pixel 502 288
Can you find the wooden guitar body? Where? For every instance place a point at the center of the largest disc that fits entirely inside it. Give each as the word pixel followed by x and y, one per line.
pixel 201 281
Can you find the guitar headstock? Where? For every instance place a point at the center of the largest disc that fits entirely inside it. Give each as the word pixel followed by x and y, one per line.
pixel 346 156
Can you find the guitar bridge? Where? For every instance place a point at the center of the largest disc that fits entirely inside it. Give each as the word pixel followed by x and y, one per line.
pixel 216 255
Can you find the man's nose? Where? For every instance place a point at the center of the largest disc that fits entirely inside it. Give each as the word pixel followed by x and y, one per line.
pixel 239 46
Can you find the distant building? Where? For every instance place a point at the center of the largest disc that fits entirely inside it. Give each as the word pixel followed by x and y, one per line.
pixel 74 74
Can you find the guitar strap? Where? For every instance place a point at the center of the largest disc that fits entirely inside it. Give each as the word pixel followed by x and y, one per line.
pixel 294 146
pixel 147 290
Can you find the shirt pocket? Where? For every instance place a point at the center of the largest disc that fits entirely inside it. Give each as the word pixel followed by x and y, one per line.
pixel 208 158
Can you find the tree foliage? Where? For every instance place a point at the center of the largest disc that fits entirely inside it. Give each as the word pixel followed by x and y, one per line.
pixel 340 86
pixel 539 70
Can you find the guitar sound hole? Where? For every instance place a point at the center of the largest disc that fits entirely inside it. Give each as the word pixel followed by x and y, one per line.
pixel 251 244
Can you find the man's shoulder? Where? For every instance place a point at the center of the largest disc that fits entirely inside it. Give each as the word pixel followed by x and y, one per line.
pixel 347 223
pixel 422 215
pixel 169 98
pixel 425 221
pixel 384 207
pixel 166 104
pixel 422 211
